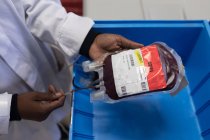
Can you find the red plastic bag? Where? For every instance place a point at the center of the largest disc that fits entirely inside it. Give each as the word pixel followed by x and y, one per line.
pixel 141 71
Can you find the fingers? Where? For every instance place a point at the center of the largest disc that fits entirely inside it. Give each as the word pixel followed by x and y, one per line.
pixel 48 107
pixel 52 94
pixel 115 47
pixel 56 103
pixel 128 44
pixel 52 89
pixel 47 96
pixel 50 103
pixel 43 109
pixel 37 105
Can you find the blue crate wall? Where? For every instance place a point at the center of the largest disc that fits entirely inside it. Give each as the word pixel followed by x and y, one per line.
pixel 191 40
pixel 199 77
pixel 82 112
pixel 179 35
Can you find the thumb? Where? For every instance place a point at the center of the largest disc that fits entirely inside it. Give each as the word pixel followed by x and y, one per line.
pixel 51 89
pixel 55 104
pixel 128 44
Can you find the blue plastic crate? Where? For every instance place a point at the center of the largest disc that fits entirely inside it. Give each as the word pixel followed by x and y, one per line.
pixel 185 116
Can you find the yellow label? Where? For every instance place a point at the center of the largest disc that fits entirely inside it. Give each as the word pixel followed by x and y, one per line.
pixel 139 57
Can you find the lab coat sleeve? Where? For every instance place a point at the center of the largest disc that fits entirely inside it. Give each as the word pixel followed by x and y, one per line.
pixel 5 103
pixel 49 22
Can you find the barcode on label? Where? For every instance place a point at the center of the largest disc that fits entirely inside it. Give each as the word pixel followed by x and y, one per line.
pixel 131 58
pixel 143 86
pixel 123 89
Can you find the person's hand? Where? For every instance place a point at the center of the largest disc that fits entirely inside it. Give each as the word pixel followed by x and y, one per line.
pixel 107 43
pixel 37 106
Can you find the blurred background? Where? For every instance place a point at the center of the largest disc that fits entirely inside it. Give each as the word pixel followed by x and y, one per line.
pixel 140 9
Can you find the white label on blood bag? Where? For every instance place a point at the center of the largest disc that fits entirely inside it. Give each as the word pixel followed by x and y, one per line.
pixel 130 74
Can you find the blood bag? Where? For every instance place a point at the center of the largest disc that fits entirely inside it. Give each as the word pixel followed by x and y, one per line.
pixel 142 71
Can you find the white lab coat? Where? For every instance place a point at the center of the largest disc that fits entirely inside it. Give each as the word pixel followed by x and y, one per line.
pixel 27 30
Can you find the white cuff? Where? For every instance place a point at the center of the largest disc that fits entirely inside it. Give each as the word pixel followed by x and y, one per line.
pixel 72 34
pixel 5 103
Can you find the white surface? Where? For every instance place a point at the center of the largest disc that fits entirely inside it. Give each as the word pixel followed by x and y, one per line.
pixel 109 9
pixel 164 11
pixel 197 9
pixel 147 9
